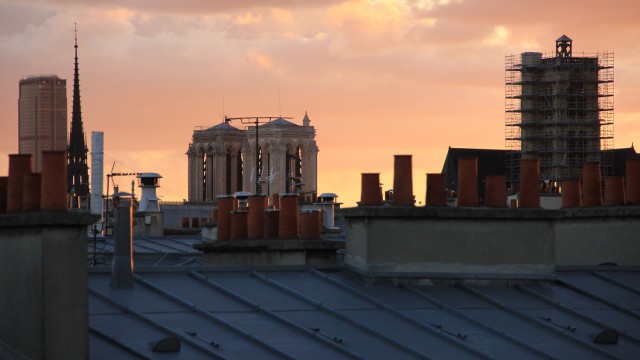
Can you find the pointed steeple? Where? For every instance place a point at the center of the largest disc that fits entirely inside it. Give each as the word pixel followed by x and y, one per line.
pixel 77 169
pixel 306 121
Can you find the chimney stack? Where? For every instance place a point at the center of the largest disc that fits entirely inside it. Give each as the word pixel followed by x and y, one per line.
pixel 327 202
pixel 122 267
pixel 529 183
pixel 271 220
pixel 436 190
pixel 591 184
pixel 571 193
pixel 3 193
pixel 19 166
pixel 53 190
pixel 495 191
pixel 614 190
pixel 633 181
pixel 402 181
pixel 468 181
pixel 310 223
pixel 289 218
pixel 370 190
pixel 238 225
pixel 257 205
pixel 31 192
pixel 225 207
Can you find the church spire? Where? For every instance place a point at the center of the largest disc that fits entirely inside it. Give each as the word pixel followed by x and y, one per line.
pixel 77 169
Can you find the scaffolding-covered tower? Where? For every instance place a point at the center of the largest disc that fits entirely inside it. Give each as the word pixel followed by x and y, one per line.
pixel 558 108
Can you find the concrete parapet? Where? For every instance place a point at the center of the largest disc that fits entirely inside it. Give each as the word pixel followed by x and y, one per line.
pixel 270 252
pixel 44 257
pixel 489 242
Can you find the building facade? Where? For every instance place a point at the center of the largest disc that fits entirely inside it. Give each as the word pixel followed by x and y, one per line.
pixel 559 109
pixel 42 116
pixel 222 160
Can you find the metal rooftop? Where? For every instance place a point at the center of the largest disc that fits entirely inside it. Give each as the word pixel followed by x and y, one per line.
pixel 301 313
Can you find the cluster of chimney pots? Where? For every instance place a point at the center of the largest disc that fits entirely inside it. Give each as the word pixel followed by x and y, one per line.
pixel 575 192
pixel 24 190
pixel 246 216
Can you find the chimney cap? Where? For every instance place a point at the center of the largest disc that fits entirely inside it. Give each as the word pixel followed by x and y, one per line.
pixel 122 194
pixel 149 175
pixel 242 194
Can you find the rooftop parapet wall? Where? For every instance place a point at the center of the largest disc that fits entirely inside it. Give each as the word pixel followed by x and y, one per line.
pixel 44 269
pixel 488 243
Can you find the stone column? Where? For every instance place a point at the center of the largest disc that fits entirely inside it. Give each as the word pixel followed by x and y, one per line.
pixel 234 170
pixel 191 173
pixel 310 170
pixel 210 190
pixel 199 175
pixel 278 161
pixel 248 182
pixel 220 161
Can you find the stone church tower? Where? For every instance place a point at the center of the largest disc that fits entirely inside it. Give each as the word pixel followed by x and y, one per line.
pixel 222 160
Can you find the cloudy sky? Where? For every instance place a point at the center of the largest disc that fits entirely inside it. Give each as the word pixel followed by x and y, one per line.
pixel 377 77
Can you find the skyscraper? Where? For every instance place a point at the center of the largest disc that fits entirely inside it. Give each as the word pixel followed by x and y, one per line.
pixel 77 169
pixel 42 116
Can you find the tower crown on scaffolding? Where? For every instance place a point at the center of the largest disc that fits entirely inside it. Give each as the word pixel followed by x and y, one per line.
pixel 563 47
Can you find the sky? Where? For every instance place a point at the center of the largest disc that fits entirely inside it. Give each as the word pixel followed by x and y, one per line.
pixel 377 77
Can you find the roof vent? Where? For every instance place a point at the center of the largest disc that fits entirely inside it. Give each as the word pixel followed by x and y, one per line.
pixel 606 337
pixel 168 344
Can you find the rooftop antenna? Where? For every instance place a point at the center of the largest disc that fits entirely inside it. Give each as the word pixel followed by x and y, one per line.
pixel 224 115
pixel 279 105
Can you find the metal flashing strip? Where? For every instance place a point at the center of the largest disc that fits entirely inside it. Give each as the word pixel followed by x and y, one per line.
pixel 313 334
pixel 481 324
pixel 375 274
pixel 186 243
pixel 114 341
pixel 340 316
pixel 161 242
pixel 573 312
pixel 598 298
pixel 569 268
pixel 210 316
pixel 537 321
pixel 454 340
pixel 139 315
pixel 616 282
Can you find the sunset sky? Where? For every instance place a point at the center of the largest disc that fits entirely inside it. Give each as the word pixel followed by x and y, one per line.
pixel 377 77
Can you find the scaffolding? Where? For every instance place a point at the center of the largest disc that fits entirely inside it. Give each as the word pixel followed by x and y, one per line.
pixel 559 109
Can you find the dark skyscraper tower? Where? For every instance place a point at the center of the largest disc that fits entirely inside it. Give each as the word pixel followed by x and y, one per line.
pixel 77 169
